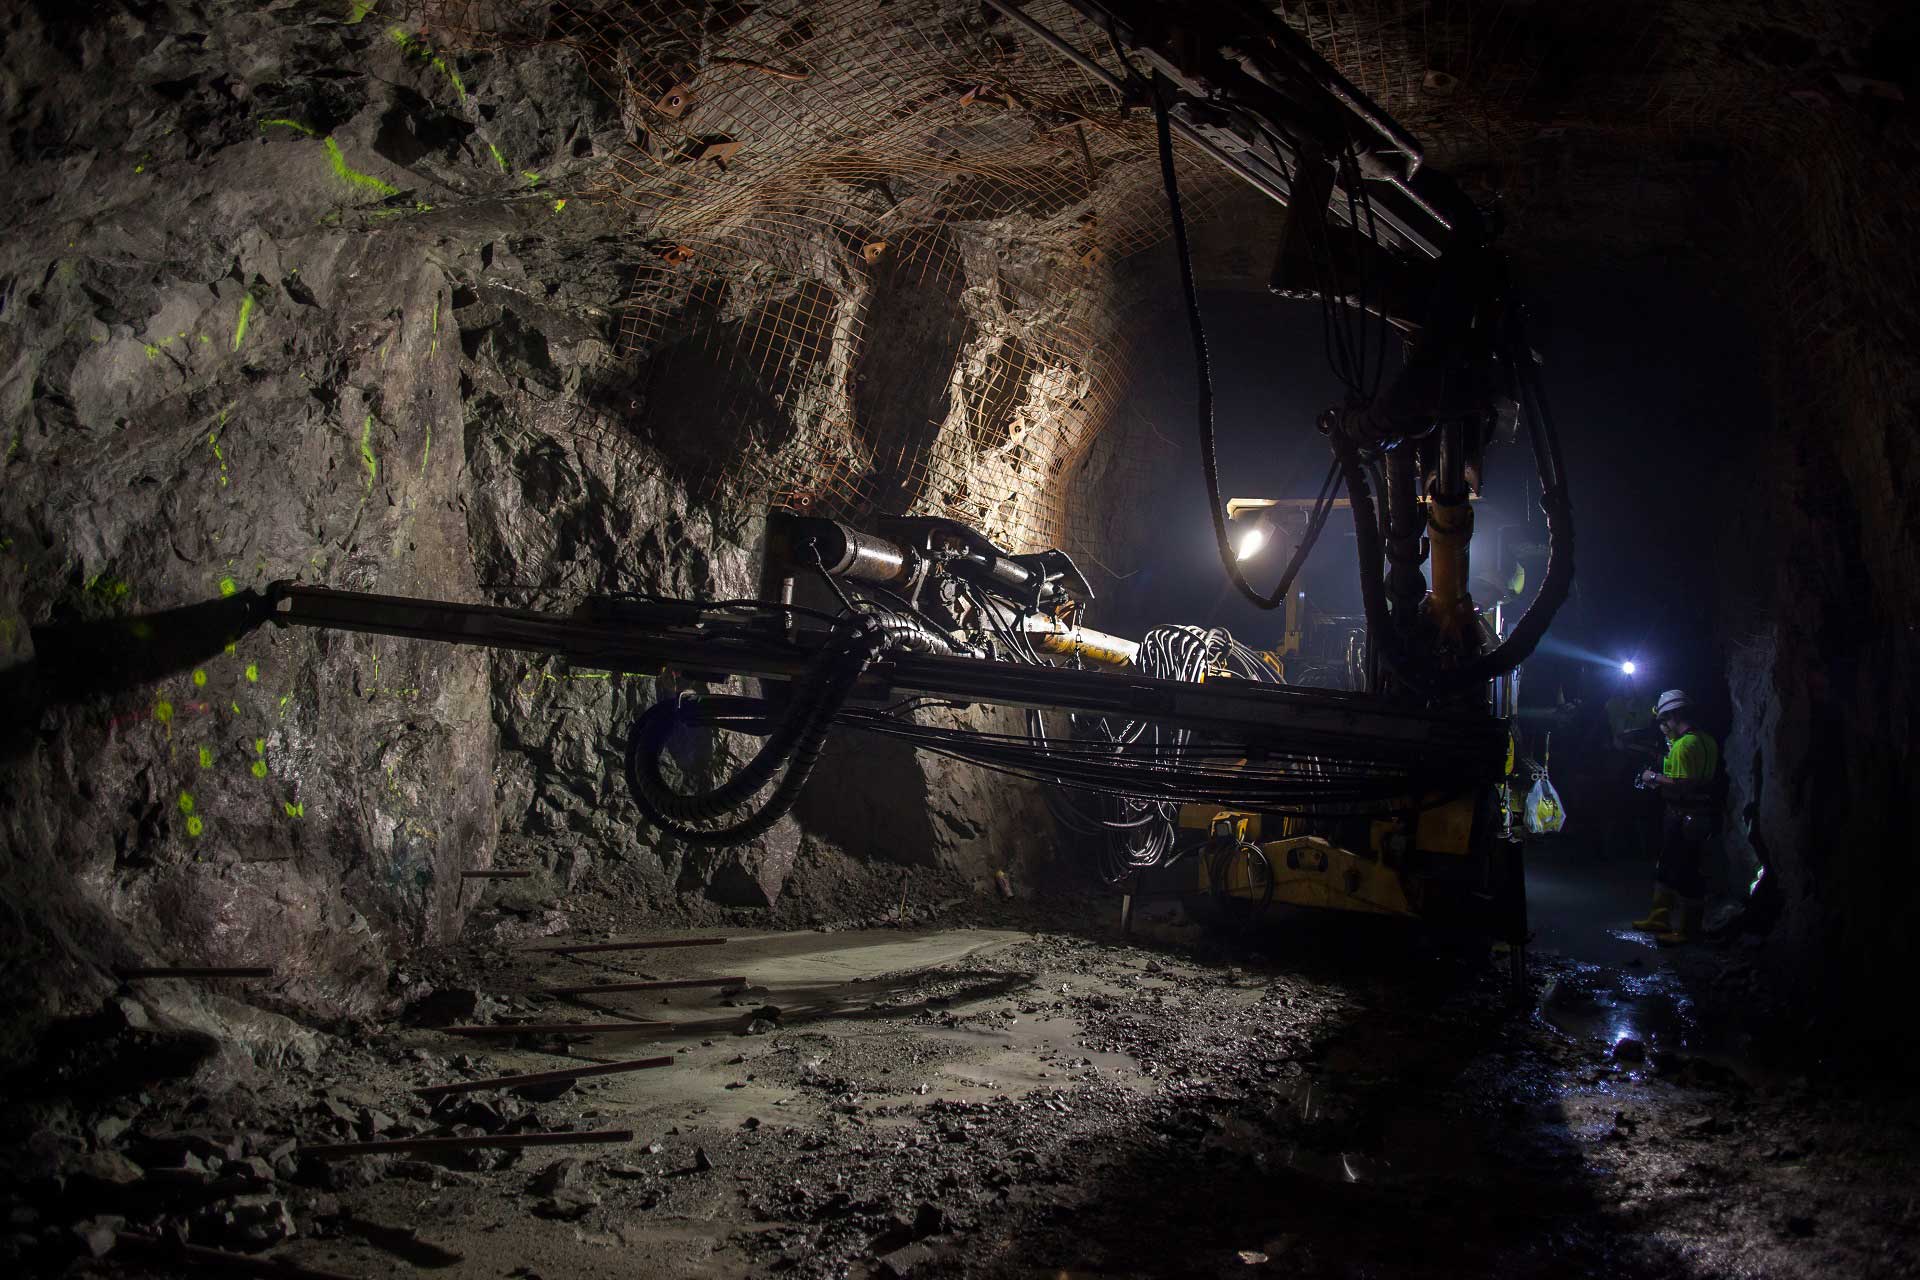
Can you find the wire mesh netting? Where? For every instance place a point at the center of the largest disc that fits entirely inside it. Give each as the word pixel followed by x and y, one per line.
pixel 877 248
pixel 878 242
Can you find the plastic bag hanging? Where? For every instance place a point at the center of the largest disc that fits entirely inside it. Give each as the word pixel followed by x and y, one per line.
pixel 1544 813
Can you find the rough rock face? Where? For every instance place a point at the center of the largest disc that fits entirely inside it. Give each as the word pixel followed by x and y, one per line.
pixel 228 361
pixel 290 294
pixel 1823 562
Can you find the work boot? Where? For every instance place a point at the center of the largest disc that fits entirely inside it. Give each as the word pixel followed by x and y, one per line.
pixel 1660 919
pixel 1686 923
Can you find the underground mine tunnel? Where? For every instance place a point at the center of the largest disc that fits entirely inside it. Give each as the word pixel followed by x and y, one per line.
pixel 1039 638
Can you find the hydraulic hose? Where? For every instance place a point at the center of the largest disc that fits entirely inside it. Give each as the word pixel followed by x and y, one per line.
pixel 1387 640
pixel 1220 855
pixel 1558 509
pixel 1555 583
pixel 1190 293
pixel 795 743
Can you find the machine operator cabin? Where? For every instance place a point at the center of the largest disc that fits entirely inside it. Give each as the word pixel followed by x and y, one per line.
pixel 1008 638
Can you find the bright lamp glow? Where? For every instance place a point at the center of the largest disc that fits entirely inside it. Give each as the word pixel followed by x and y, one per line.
pixel 1250 543
pixel 1627 668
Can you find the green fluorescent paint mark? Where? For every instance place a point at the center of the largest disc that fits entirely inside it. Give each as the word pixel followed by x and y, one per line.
pixel 533 179
pixel 13 447
pixel 366 454
pixel 107 588
pixel 559 204
pixel 199 678
pixel 246 314
pixel 228 586
pixel 259 769
pixel 206 758
pixel 163 712
pixel 153 349
pixel 358 10
pixel 419 206
pixel 259 746
pixel 285 698
pixel 195 826
pixel 354 177
pixel 294 810
pixel 253 673
pixel 139 168
pixel 497 157
pixel 427 452
pixel 434 348
pixel 420 49
pixel 213 443
pixel 289 124
pixel 186 802
pixel 235 706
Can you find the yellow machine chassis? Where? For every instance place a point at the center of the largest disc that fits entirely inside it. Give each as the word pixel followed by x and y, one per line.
pixel 1310 871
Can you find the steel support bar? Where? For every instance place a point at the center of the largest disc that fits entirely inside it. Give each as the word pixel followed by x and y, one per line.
pixel 681 636
pixel 660 984
pixel 543 1077
pixel 650 945
pixel 504 1141
pixel 1245 158
pixel 562 1030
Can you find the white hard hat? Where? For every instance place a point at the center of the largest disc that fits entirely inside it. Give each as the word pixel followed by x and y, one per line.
pixel 1670 701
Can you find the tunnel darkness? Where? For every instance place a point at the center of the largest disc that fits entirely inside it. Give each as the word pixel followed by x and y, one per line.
pixel 332 953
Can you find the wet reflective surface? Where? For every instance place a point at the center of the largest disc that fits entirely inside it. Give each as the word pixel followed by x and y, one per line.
pixel 1347 1099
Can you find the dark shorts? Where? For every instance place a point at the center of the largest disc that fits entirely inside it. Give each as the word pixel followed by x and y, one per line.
pixel 1683 846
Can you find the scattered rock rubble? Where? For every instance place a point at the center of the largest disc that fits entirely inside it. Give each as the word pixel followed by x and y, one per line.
pixel 1032 1106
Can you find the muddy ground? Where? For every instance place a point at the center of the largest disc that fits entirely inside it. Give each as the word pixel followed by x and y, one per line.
pixel 1013 1101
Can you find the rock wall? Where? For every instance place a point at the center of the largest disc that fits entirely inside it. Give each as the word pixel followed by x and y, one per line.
pixel 289 292
pixel 230 357
pixel 1822 567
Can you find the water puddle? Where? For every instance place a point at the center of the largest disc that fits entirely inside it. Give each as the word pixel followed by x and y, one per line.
pixel 1621 1009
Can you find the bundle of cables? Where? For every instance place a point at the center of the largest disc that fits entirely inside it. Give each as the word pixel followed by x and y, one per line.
pixel 1126 779
pixel 1139 832
pixel 792 745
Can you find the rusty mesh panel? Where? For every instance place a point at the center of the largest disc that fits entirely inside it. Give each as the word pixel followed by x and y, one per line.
pixel 876 248
pixel 877 241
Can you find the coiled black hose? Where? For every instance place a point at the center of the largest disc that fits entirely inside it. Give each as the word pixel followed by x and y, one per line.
pixel 1219 855
pixel 794 744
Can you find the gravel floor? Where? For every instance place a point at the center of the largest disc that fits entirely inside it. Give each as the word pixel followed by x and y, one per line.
pixel 1009 1102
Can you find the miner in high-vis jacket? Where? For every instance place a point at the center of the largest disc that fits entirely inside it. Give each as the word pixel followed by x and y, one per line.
pixel 1685 781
